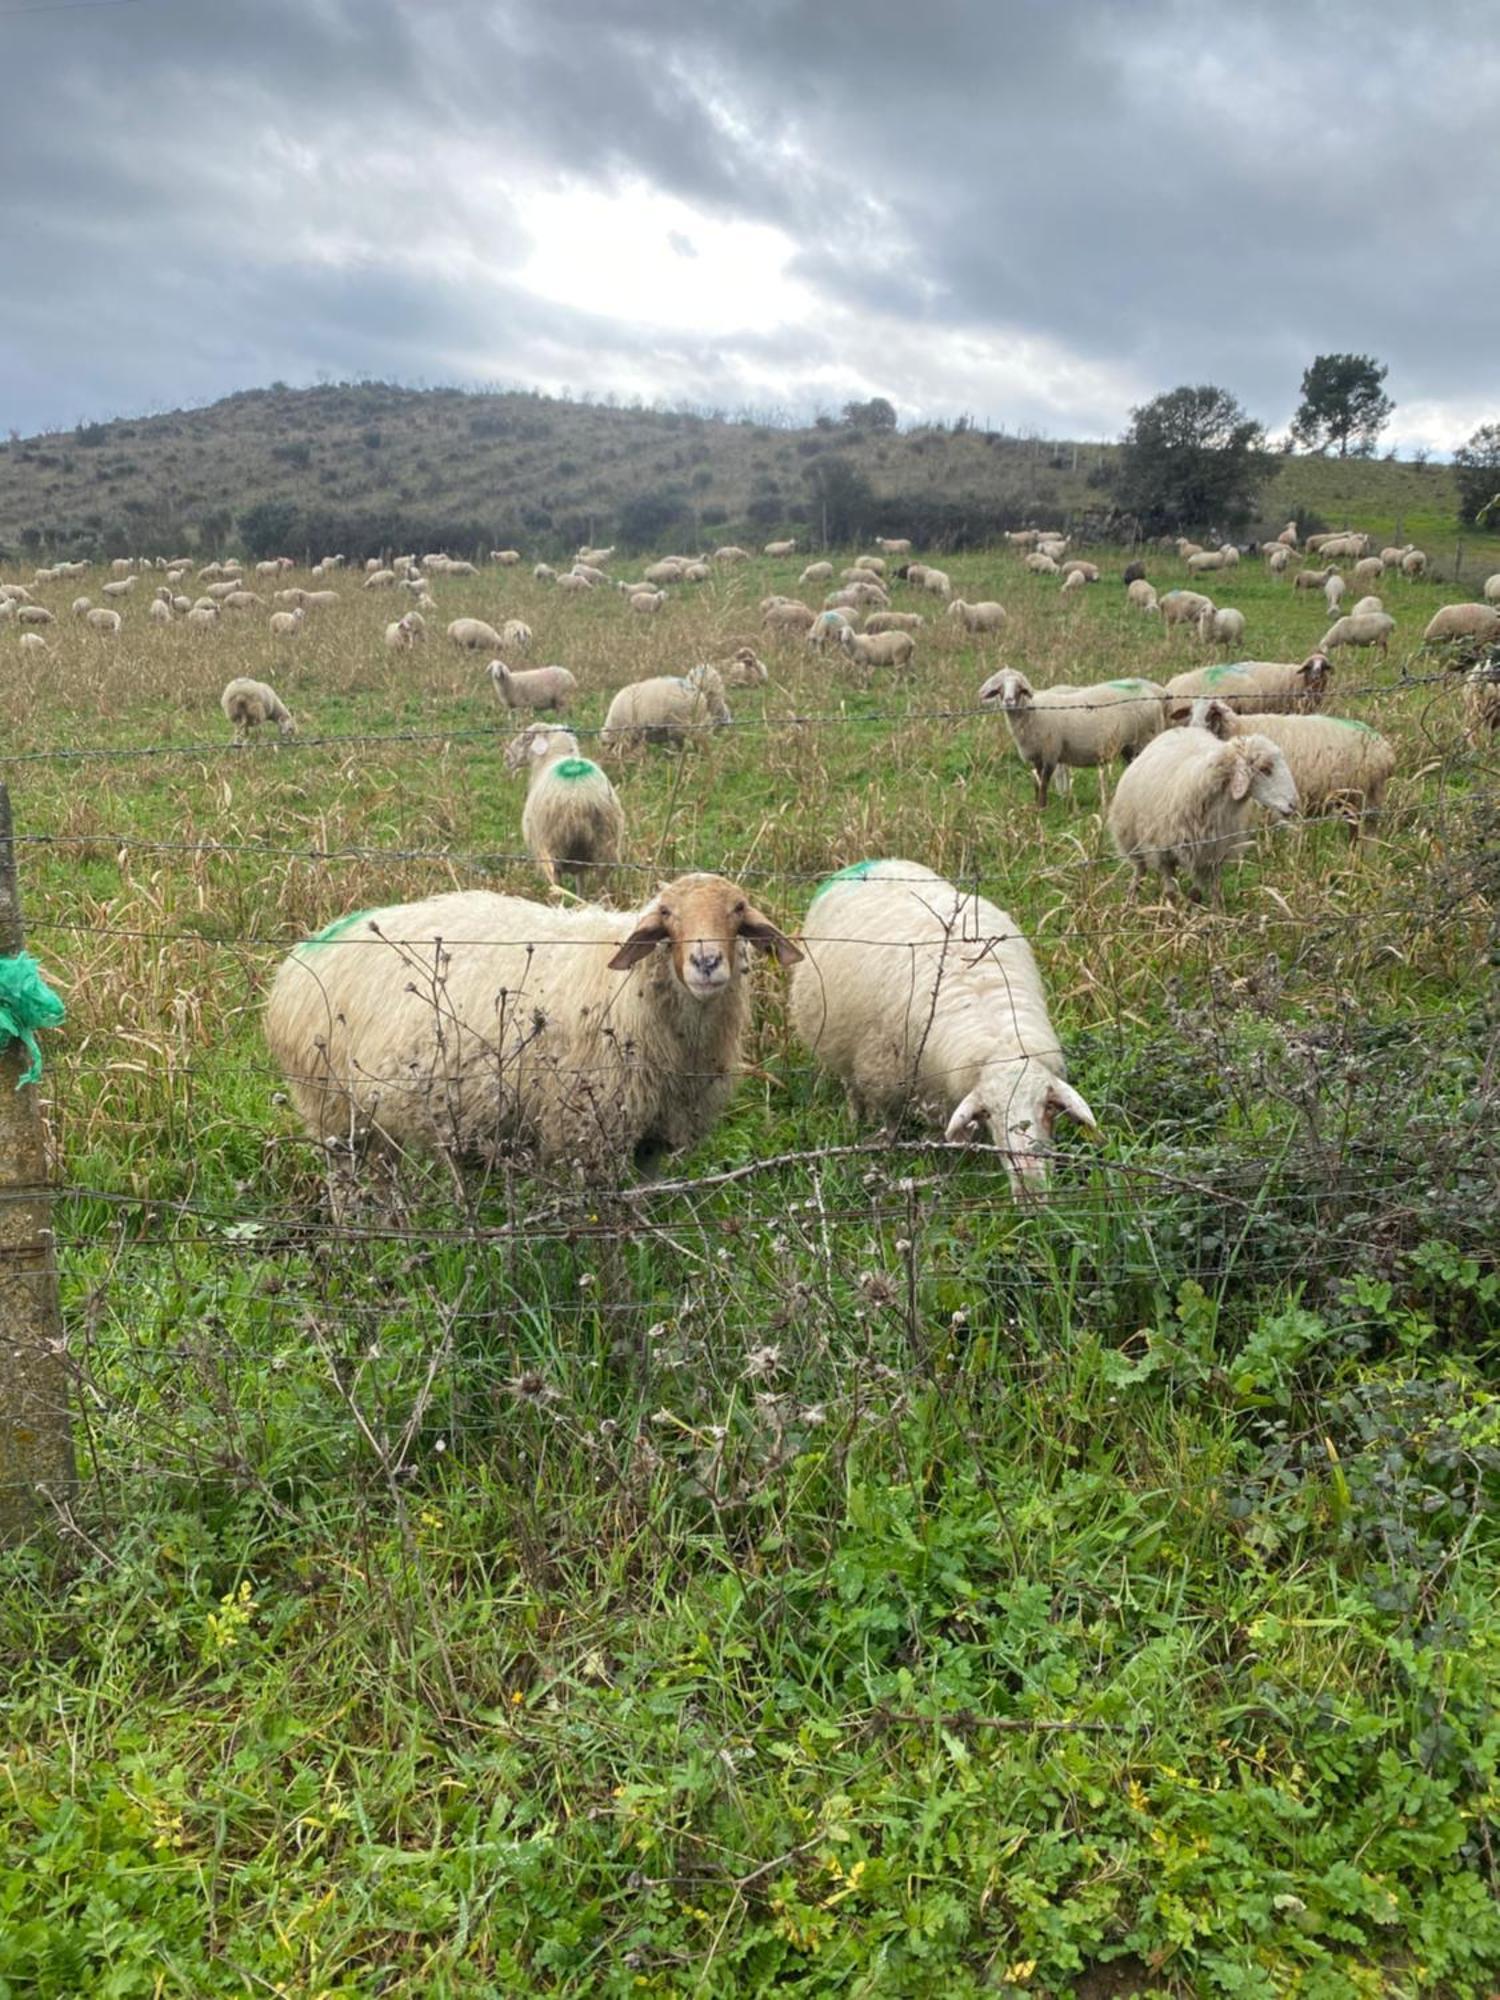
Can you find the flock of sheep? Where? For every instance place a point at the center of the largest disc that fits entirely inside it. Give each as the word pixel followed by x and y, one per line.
pixel 593 1038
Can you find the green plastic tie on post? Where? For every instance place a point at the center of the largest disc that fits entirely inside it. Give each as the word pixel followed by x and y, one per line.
pixel 27 1003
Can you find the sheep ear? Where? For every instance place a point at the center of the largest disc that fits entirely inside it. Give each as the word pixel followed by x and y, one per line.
pixel 967 1119
pixel 1063 1101
pixel 763 934
pixel 642 941
pixel 1239 783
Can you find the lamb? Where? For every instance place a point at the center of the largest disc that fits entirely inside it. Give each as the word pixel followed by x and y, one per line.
pixel 1142 595
pixel 1185 805
pixel 816 572
pixel 403 633
pixel 1252 687
pixel 666 709
pixel 1077 727
pixel 1482 703
pixel 248 704
pixel 1333 591
pixel 1073 581
pixel 1184 607
pixel 1452 622
pixel 984 617
pixel 894 621
pixel 780 548
pixel 878 649
pixel 572 819
pixel 744 668
pixel 1374 628
pixel 286 624
pixel 1336 765
pixel 515 635
pixel 533 687
pixel 467 1024
pixel 917 994
pixel 1216 627
pixel 1311 579
pixel 106 621
pixel 473 634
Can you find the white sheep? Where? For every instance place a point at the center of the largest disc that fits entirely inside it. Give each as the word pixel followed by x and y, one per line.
pixel 1452 622
pixel 1482 704
pixel 121 588
pixel 647 602
pixel 874 565
pixel 828 628
pixel 987 616
pixel 893 545
pixel 922 996
pixel 33 642
pixel 1078 728
pixel 894 621
pixel 666 709
pixel 1041 565
pixel 1073 582
pixel 1365 606
pixel 1221 626
pixel 474 635
pixel 402 634
pixel 248 704
pixel 1205 560
pixel 544 572
pixel 34 614
pixel 788 616
pixel 1336 765
pixel 780 548
pixel 573 584
pixel 1142 595
pixel 507 558
pixel 878 649
pixel 594 559
pixel 1090 572
pixel 80 605
pixel 1184 607
pixel 1279 561
pixel 1414 563
pixel 1333 592
pixel 572 819
pixel 1184 807
pixel 731 552
pixel 743 668
pixel 287 624
pixel 103 620
pixel 1370 628
pixel 937 581
pixel 533 687
pixel 1492 588
pixel 1369 569
pixel 1312 579
pixel 1253 687
pixel 159 610
pixel 515 635
pixel 379 579
pixel 470 1023
pixel 816 572
pixel 202 617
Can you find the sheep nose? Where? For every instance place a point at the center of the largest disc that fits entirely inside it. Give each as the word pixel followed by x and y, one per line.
pixel 707 958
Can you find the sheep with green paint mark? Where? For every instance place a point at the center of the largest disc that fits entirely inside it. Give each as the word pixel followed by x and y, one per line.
pixel 573 820
pixel 1075 727
pixel 1338 766
pixel 1253 687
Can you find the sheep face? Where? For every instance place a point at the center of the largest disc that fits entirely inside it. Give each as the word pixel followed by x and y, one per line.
pixel 538 743
pixel 1260 773
pixel 705 920
pixel 1314 672
pixel 1020 1104
pixel 1007 690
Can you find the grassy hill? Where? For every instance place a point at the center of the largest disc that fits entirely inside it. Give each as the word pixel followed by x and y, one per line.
pixel 361 466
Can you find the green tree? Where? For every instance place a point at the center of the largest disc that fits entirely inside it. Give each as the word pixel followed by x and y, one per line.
pixel 268 528
pixel 1476 466
pixel 1343 404
pixel 842 498
pixel 876 415
pixel 1191 458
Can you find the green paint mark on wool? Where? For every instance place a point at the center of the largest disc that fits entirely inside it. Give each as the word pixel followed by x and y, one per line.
pixel 27 1003
pixel 1125 684
pixel 336 929
pixel 855 872
pixel 575 767
pixel 1213 675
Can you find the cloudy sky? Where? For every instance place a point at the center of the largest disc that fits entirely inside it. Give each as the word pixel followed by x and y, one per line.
pixel 1037 211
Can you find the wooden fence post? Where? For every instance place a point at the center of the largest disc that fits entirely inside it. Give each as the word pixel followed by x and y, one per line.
pixel 36 1439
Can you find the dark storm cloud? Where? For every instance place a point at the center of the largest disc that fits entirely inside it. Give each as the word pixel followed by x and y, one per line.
pixel 1042 211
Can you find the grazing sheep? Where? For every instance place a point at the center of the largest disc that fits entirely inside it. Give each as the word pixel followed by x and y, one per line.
pixel 1336 765
pixel 1185 805
pixel 404 633
pixel 1142 595
pixel 507 558
pixel 743 668
pixel 286 624
pixel 1252 687
pixel 1454 622
pixel 240 600
pixel 319 600
pixel 81 605
pixel 590 575
pixel 875 565
pixel 894 621
pixel 1073 581
pixel 668 570
pixel 1482 703
pixel 788 616
pixel 544 572
pixel 647 602
pixel 248 704
pixel 828 628
pixel 203 617
pixel 1413 563
pixel 816 572
pixel 573 583
pixel 1184 607
pixel 1221 627
pixel 1205 560
pixel 572 819
pixel 878 649
pixel 666 709
pixel 470 1023
pixel 731 553
pixel 515 635
pixel 473 634
pixel 1373 628
pixel 1311 579
pixel 894 545
pixel 1090 572
pixel 34 614
pixel 1279 561
pixel 106 621
pixel 533 687
pixel 1333 592
pixel 1365 606
pixel 1076 727
pixel 159 610
pixel 33 642
pixel 1023 538
pixel 984 617
pixel 780 548
pixel 857 595
pixel 379 579
pixel 1369 569
pixel 936 580
pixel 1041 565
pixel 920 995
pixel 594 559
pixel 121 588
pixel 1492 588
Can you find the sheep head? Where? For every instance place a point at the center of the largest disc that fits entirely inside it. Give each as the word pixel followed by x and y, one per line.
pixel 1020 1105
pixel 1313 673
pixel 1215 716
pixel 1257 770
pixel 1007 689
pixel 705 920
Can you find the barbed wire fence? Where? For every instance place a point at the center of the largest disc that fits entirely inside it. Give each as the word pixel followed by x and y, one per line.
pixel 436 1310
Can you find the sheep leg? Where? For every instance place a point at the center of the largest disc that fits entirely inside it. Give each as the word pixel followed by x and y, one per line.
pixel 1043 775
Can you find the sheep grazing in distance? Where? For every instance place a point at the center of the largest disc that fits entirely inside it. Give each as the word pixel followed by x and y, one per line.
pixel 1312 579
pixel 1414 563
pixel 544 572
pixel 593 1038
pixel 287 624
pixel 594 559
pixel 33 642
pixel 1090 572
pixel 533 687
pixel 1279 561
pixel 507 558
pixel 937 581
pixel 572 820
pixel 590 575
pixel 379 579
pixel 80 605
pixel 1482 703
pixel 121 588
pixel 1492 588
pixel 240 600
pixel 984 617
pixel 34 614
pixel 1041 565
pixel 202 617
pixel 515 635
pixel 1204 560
pixel 788 616
pixel 1221 627
pixel 1073 581
pixel 666 709
pixel 1142 595
pixel 919 995
pixel 875 565
pixel 474 635
pixel 1366 606
pixel 731 552
pixel 159 611
pixel 828 628
pixel 405 632
pixel 893 545
pixel 573 584
pixel 878 649
pixel 1369 569
pixel 1077 728
pixel 1185 806
pixel 1333 592
pixel 743 668
pixel 1454 622
pixel 647 602
pixel 1372 628
pixel 1252 687
pixel 105 621
pixel 248 704
pixel 1184 607
pixel 1336 765
pixel 816 572
pixel 780 548
pixel 894 621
